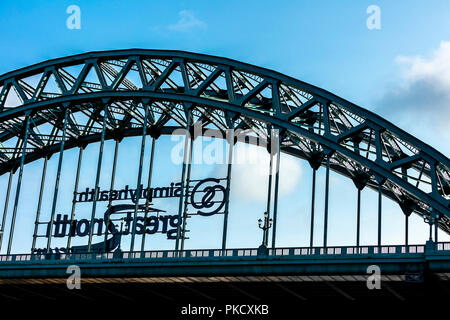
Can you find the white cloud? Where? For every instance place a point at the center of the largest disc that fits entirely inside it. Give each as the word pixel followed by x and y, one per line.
pixel 420 101
pixel 186 22
pixel 250 180
pixel 435 69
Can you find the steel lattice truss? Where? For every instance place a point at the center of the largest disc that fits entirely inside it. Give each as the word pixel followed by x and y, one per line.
pixel 221 93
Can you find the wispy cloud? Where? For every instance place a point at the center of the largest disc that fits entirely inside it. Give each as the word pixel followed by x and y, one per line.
pixel 250 180
pixel 420 101
pixel 187 22
pixel 435 69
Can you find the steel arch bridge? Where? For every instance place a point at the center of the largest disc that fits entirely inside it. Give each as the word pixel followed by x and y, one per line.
pixel 74 101
pixel 316 125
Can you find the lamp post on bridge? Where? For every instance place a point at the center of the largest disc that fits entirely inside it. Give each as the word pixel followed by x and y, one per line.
pixel 265 228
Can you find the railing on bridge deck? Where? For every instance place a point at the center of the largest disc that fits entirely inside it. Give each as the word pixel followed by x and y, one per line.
pixel 217 253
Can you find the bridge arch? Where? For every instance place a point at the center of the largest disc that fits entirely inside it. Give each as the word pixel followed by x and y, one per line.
pixel 79 92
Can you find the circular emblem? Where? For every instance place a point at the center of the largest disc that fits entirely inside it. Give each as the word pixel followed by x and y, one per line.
pixel 208 197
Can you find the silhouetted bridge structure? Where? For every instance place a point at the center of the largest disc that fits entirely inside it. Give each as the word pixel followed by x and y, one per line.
pixel 72 102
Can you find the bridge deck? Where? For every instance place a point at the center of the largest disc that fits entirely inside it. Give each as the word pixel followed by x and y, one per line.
pixel 330 261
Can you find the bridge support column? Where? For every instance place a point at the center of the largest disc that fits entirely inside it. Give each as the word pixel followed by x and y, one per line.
pixel 315 162
pixel 380 197
pixel 111 188
pixel 97 178
pixel 406 229
pixel 436 225
pixel 38 211
pixel 433 221
pixel 19 183
pixel 277 178
pixel 138 188
pixel 227 190
pixel 360 181
pixel 327 187
pixel 269 191
pixel 186 197
pixel 74 202
pixel 358 218
pixel 313 196
pixel 5 209
pixel 149 184
pixel 183 174
pixel 431 232
pixel 407 210
pixel 436 231
pixel 58 178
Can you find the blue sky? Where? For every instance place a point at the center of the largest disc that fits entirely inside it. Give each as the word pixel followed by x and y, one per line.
pixel 398 71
